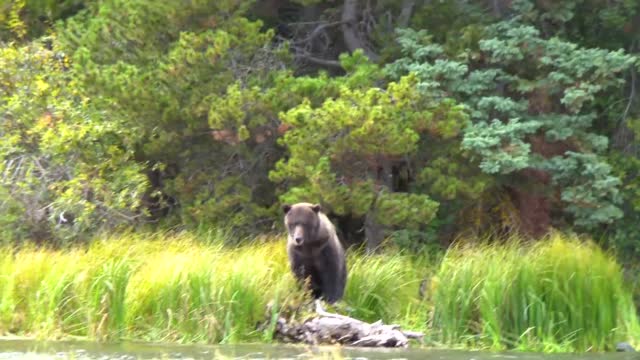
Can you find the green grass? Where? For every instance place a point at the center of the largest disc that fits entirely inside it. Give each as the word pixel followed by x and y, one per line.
pixel 558 295
pixel 176 288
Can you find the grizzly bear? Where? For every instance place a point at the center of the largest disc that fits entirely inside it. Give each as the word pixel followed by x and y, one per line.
pixel 314 251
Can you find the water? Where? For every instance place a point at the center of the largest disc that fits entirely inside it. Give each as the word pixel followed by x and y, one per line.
pixel 28 349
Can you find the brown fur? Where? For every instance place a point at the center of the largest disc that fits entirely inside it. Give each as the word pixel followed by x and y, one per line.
pixel 314 251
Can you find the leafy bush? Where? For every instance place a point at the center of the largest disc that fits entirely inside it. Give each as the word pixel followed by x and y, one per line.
pixel 65 170
pixel 343 152
pixel 531 102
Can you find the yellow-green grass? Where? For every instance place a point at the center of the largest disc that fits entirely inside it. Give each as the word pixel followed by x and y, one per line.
pixel 179 288
pixel 559 294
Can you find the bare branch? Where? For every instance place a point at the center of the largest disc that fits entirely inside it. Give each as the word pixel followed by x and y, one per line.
pixel 319 61
pixel 317 31
pixel 108 209
pixel 632 94
pixel 624 136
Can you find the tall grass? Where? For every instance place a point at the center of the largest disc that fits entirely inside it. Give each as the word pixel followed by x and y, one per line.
pixel 556 294
pixel 386 287
pixel 178 288
pixel 559 294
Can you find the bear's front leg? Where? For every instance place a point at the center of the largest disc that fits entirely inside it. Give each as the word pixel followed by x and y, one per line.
pixel 297 266
pixel 330 278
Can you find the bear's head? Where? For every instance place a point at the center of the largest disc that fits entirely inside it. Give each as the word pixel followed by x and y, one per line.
pixel 302 222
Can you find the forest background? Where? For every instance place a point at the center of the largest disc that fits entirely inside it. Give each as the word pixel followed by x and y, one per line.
pixel 414 123
pixel 417 121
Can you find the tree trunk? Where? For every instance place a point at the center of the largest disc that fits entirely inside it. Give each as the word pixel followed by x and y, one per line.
pixel 405 13
pixel 373 232
pixel 350 31
pixel 534 207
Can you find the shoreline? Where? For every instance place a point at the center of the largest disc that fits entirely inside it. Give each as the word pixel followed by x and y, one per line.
pixel 176 290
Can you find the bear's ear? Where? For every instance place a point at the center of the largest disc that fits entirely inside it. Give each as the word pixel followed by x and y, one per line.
pixel 286 208
pixel 316 208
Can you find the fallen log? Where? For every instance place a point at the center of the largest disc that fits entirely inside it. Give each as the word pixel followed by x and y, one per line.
pixel 329 328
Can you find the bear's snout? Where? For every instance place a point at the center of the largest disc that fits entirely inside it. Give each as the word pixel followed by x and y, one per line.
pixel 298 235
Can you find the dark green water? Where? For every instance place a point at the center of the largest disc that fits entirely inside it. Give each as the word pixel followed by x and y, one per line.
pixel 27 349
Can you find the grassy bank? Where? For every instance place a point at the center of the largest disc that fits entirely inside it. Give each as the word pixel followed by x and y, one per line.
pixel 176 289
pixel 558 295
pixel 552 295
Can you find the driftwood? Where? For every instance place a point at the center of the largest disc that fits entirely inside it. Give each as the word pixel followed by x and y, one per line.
pixel 329 328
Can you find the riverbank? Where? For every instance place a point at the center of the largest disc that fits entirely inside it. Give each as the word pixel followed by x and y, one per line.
pixel 559 295
pixel 21 350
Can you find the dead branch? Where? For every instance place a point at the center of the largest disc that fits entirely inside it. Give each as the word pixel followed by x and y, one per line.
pixel 319 61
pixel 329 328
pixel 317 31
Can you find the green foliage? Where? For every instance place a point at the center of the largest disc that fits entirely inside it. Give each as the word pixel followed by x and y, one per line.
pixel 518 88
pixel 336 149
pixel 411 210
pixel 586 181
pixel 624 237
pixel 65 170
pixel 558 293
pixel 188 80
pixel 589 22
pixel 116 113
pixel 195 114
pixel 378 283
